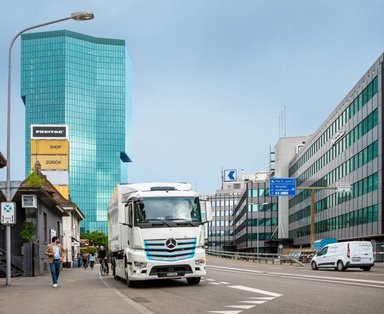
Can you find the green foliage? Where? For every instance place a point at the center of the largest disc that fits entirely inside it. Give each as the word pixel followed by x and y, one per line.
pixel 27 231
pixel 34 180
pixel 88 249
pixel 96 238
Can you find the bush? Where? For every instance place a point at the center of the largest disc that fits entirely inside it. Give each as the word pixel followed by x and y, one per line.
pixel 27 231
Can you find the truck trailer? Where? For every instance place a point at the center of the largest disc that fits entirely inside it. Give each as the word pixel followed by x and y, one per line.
pixel 156 231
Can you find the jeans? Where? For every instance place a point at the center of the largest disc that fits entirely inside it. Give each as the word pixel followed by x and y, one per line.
pixel 55 270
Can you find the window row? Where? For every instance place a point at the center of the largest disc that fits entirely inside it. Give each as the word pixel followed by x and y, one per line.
pixel 355 105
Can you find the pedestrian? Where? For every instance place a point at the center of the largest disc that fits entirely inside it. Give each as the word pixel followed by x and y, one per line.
pixel 92 260
pixel 55 253
pixel 85 260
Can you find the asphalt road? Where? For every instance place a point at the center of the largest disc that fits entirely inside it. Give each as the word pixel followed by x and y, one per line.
pixel 231 287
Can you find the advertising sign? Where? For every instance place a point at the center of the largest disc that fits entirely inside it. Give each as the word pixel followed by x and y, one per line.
pixel 46 131
pixel 50 162
pixel 49 147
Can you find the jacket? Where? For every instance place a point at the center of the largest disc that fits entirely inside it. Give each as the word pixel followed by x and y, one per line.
pixel 49 252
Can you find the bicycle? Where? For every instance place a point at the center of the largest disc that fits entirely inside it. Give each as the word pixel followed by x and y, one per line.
pixel 103 268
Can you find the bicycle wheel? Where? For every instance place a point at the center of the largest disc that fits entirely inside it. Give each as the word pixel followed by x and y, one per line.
pixel 102 269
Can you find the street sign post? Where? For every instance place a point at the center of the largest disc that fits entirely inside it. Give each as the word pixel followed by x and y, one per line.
pixel 282 186
pixel 8 213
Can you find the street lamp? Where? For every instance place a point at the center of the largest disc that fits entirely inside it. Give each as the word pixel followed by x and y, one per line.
pixel 77 16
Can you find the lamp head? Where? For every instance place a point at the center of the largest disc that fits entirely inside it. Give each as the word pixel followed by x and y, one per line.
pixel 82 16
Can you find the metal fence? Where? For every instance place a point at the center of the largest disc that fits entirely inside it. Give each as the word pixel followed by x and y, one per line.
pixel 272 258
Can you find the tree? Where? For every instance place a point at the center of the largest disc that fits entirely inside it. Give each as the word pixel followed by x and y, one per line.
pixel 96 238
pixel 27 231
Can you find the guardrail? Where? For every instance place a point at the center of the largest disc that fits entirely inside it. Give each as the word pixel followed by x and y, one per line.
pixel 256 257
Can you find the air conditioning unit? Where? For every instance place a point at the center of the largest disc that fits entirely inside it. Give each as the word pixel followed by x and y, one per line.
pixel 28 201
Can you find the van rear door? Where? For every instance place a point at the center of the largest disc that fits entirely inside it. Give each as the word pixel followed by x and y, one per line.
pixel 361 252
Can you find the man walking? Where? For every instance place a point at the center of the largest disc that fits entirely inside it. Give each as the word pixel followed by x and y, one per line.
pixel 55 253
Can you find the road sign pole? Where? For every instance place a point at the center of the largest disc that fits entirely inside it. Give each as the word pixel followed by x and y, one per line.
pixel 312 218
pixel 8 255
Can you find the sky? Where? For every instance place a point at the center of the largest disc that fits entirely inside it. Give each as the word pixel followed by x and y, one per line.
pixel 211 78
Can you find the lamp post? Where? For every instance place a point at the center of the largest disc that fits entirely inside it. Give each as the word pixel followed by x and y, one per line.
pixel 77 16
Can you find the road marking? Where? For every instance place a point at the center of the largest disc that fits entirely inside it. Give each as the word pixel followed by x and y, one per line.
pixel 350 281
pixel 224 283
pixel 214 283
pixel 210 279
pixel 263 298
pixel 253 302
pixel 244 307
pixel 137 306
pixel 272 294
pixel 225 312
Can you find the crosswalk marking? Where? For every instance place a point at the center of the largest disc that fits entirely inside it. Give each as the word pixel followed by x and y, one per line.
pixel 272 294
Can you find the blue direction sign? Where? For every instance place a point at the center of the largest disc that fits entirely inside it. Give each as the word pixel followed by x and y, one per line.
pixel 230 175
pixel 282 186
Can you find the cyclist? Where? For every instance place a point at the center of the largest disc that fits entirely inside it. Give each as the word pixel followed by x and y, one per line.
pixel 102 256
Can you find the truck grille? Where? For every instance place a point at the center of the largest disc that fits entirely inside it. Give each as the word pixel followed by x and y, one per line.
pixel 170 249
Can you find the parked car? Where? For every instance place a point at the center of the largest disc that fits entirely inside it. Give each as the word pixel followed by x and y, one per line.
pixel 343 255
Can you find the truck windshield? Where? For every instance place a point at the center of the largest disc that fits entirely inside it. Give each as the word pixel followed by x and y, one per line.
pixel 168 211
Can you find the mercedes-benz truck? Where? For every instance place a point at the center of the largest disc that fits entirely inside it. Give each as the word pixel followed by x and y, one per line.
pixel 156 231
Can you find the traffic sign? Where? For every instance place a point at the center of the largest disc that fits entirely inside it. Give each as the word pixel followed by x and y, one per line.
pixel 8 215
pixel 282 186
pixel 343 187
pixel 230 175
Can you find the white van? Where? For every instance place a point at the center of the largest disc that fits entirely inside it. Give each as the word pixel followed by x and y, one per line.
pixel 343 255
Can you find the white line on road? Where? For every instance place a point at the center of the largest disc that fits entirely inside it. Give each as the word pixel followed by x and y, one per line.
pixel 262 298
pixel 253 302
pixel 272 294
pixel 244 307
pixel 298 276
pixel 225 312
pixel 137 306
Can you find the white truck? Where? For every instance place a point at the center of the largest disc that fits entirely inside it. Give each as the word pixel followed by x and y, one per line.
pixel 156 231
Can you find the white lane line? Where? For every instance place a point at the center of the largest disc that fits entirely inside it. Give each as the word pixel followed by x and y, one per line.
pixel 225 312
pixel 224 283
pixel 244 307
pixel 297 275
pixel 253 302
pixel 210 279
pixel 214 283
pixel 272 294
pixel 262 298
pixel 137 306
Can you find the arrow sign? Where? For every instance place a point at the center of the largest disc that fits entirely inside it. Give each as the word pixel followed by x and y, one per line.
pixel 230 175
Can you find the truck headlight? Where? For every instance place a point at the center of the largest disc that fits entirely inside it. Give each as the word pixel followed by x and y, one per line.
pixel 140 265
pixel 200 262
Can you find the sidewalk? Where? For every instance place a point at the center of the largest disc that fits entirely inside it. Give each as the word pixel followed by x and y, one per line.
pixel 80 291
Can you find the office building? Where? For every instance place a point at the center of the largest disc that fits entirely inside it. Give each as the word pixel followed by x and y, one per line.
pixel 347 149
pixel 82 82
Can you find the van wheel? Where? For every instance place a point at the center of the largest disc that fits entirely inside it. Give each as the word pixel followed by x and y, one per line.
pixel 340 266
pixel 193 280
pixel 366 268
pixel 314 266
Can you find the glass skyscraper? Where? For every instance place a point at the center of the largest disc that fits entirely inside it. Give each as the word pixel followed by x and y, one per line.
pixel 83 82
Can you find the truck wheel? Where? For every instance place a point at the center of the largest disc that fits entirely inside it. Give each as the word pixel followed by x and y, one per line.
pixel 129 283
pixel 366 268
pixel 340 266
pixel 193 280
pixel 314 266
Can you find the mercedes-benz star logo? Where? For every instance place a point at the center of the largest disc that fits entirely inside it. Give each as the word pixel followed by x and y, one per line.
pixel 170 243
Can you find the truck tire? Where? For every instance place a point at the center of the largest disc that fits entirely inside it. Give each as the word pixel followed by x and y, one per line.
pixel 193 280
pixel 340 266
pixel 129 283
pixel 313 265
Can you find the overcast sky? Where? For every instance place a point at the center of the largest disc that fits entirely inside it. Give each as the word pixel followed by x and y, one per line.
pixel 211 77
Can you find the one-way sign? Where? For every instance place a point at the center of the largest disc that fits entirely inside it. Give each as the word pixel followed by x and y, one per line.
pixel 230 175
pixel 282 186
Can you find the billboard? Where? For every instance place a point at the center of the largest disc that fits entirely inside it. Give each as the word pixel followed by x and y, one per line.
pixel 49 147
pixel 46 131
pixel 50 162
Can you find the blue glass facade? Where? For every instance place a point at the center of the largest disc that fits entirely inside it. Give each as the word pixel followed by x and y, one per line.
pixel 85 83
